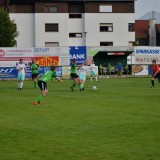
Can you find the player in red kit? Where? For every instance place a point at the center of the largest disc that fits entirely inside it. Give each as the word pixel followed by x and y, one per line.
pixel 156 72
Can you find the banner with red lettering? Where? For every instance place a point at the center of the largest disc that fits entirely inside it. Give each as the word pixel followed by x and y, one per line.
pixel 9 57
pixel 47 61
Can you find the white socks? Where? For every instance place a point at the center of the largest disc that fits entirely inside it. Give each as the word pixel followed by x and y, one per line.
pixel 20 84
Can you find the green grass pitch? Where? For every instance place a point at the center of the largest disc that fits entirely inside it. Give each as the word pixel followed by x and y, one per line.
pixel 118 121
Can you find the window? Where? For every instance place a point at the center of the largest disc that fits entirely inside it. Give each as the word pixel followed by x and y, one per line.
pixel 105 8
pixel 51 9
pixel 106 43
pixel 51 44
pixel 77 35
pixel 75 15
pixel 131 27
pixel 75 7
pixel 51 27
pixel 106 27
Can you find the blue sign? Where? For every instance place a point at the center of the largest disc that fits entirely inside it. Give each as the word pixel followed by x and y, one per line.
pixel 78 53
pixel 58 70
pixel 11 72
pixel 147 50
pixel 8 72
pixel 150 71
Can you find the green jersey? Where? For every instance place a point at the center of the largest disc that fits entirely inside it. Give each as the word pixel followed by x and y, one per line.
pixel 73 68
pixel 34 68
pixel 48 76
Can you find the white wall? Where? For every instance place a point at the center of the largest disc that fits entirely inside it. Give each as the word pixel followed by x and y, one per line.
pixel 42 36
pixel 32 29
pixel 120 35
pixel 25 27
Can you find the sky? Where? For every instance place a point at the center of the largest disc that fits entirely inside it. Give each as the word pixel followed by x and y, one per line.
pixel 144 6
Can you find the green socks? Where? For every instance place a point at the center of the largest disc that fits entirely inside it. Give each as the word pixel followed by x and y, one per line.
pixel 80 85
pixel 73 85
pixel 35 84
pixel 39 98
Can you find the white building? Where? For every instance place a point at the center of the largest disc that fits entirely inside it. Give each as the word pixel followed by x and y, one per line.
pixel 51 23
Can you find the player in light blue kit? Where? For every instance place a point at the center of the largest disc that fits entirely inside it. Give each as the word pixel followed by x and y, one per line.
pixel 93 72
pixel 82 72
pixel 21 73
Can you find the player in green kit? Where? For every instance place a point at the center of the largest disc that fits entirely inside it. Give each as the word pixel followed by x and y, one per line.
pixel 34 69
pixel 42 83
pixel 74 76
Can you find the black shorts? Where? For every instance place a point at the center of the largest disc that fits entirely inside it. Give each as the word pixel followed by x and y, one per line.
pixel 34 75
pixel 42 85
pixel 74 75
pixel 156 76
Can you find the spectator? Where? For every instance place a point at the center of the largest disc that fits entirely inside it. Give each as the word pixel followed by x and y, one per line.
pixel 101 68
pixel 119 69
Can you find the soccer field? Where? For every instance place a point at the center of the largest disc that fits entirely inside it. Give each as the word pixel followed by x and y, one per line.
pixel 118 121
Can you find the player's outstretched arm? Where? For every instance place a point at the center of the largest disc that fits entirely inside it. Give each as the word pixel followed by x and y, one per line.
pixel 36 79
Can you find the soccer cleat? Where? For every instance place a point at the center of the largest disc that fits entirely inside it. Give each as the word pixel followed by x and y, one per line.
pixel 38 102
pixel 152 87
pixel 35 103
pixel 18 89
pixel 71 89
pixel 82 89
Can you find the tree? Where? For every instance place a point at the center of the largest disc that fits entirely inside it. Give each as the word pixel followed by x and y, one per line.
pixel 8 30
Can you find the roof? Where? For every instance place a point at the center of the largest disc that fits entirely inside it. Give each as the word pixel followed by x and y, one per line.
pixel 32 1
pixel 142 28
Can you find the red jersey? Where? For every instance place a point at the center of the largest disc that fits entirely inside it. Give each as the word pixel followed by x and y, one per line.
pixel 155 68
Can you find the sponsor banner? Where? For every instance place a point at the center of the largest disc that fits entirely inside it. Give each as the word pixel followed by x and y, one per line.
pixel 47 61
pixel 64 60
pixel 66 71
pixel 61 51
pixel 141 70
pixel 8 63
pixel 78 53
pixel 137 68
pixel 51 51
pixel 9 57
pixel 145 55
pixel 8 72
pixel 11 72
pixel 146 59
pixel 14 54
pixel 42 51
pixel 147 51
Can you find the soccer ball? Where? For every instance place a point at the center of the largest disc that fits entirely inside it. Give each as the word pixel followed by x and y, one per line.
pixel 94 88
